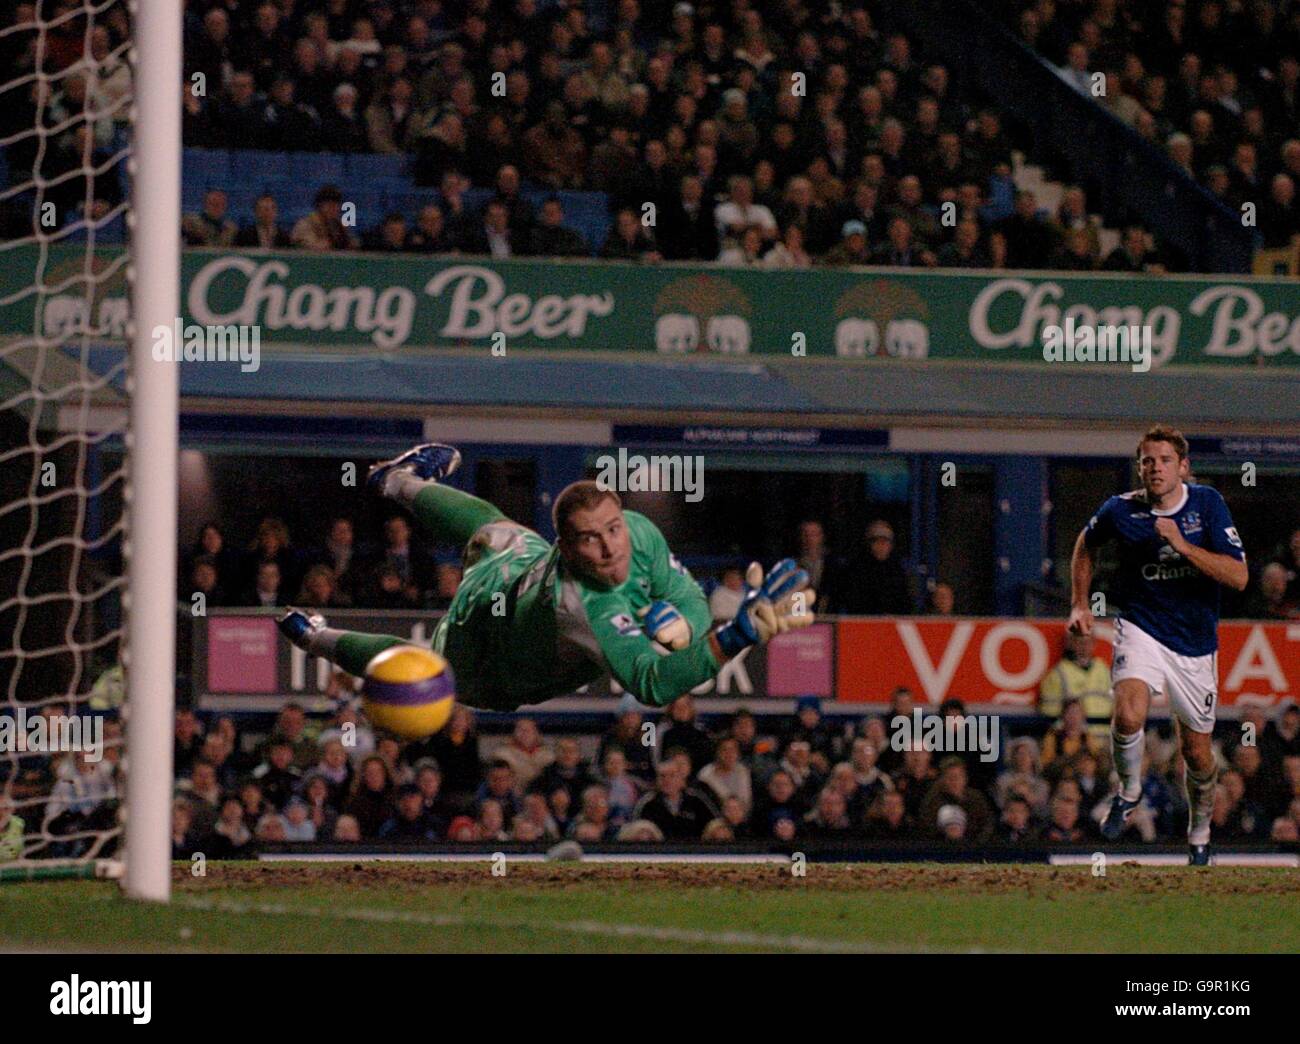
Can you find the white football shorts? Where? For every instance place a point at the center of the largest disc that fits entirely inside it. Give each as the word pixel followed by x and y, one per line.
pixel 1190 682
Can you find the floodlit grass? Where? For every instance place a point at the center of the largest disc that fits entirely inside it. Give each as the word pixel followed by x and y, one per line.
pixel 395 907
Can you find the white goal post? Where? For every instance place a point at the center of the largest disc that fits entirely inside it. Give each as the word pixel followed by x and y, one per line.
pixel 150 662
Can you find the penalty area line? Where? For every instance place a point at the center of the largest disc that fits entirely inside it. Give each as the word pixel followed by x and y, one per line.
pixel 799 943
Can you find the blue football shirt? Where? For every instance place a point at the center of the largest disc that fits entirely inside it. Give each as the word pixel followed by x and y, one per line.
pixel 1158 590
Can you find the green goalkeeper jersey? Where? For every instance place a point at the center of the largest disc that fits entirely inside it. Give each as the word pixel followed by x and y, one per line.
pixel 523 628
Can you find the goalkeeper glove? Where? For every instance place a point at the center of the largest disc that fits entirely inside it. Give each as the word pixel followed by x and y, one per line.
pixel 773 604
pixel 662 622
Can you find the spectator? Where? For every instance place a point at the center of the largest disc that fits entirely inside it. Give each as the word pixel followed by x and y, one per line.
pixel 431 235
pixel 525 752
pixel 347 830
pixel 689 231
pixel 789 252
pixel 286 122
pixel 390 237
pixel 1022 779
pixel 942 600
pixel 1067 737
pixel 185 838
pixel 1064 826
pixel 727 776
pixel 535 821
pixel 291 728
pixel 203 792
pixel 231 838
pixel 780 803
pixel 210 227
pixel 265 233
pixel 683 733
pixel 679 813
pixel 1132 255
pixel 594 823
pixel 493 236
pixel 623 791
pixel 322 809
pixel 554 153
pixel 629 240
pixel 951 789
pixel 371 803
pixel 412 821
pixel 724 602
pixel 1079 675
pixel 347 726
pixel 320 590
pixel 343 127
pixel 876 584
pixel 550 237
pixel 187 740
pixel 829 820
pixel 391 121
pixel 322 230
pixel 1030 239
pixel 1016 824
pixel 964 251
pixel 888 819
pixel 1269 601
pixel 740 212
pixel 277 776
pixel 748 251
pixel 810 727
pixel 500 787
pixel 852 248
pixel 567 770
pixel 951 822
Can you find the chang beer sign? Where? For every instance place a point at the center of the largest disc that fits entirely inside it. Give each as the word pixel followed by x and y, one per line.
pixel 388 303
pixel 1190 320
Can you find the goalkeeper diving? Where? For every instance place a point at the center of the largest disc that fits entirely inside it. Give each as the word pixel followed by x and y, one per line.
pixel 532 621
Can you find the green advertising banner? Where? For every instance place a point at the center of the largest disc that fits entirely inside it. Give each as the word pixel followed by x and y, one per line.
pixel 405 302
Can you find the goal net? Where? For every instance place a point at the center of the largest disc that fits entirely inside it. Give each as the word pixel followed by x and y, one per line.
pixel 82 566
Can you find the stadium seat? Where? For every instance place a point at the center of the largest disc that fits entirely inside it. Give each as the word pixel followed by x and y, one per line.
pixel 315 169
pixel 382 165
pixel 256 165
pixel 205 168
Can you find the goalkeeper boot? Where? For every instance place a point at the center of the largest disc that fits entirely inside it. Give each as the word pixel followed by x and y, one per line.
pixel 1121 811
pixel 1198 855
pixel 301 626
pixel 430 461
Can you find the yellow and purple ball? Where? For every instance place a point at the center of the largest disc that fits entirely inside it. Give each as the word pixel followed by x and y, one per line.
pixel 408 691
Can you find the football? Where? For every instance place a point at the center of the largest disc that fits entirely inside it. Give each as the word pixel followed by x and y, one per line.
pixel 409 691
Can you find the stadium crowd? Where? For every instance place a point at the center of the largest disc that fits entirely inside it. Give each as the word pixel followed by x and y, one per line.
pixel 776 134
pixel 1214 83
pixel 812 778
pixel 730 778
pixel 398 571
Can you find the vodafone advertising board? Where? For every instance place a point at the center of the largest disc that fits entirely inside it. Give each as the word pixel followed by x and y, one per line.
pixel 1002 661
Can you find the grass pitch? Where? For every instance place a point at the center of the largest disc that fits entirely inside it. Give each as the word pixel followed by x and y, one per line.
pixel 629 907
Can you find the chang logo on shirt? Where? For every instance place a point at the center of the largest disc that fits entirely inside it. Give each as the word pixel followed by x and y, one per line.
pixel 1153 571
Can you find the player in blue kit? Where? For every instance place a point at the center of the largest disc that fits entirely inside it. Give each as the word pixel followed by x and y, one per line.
pixel 1177 544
